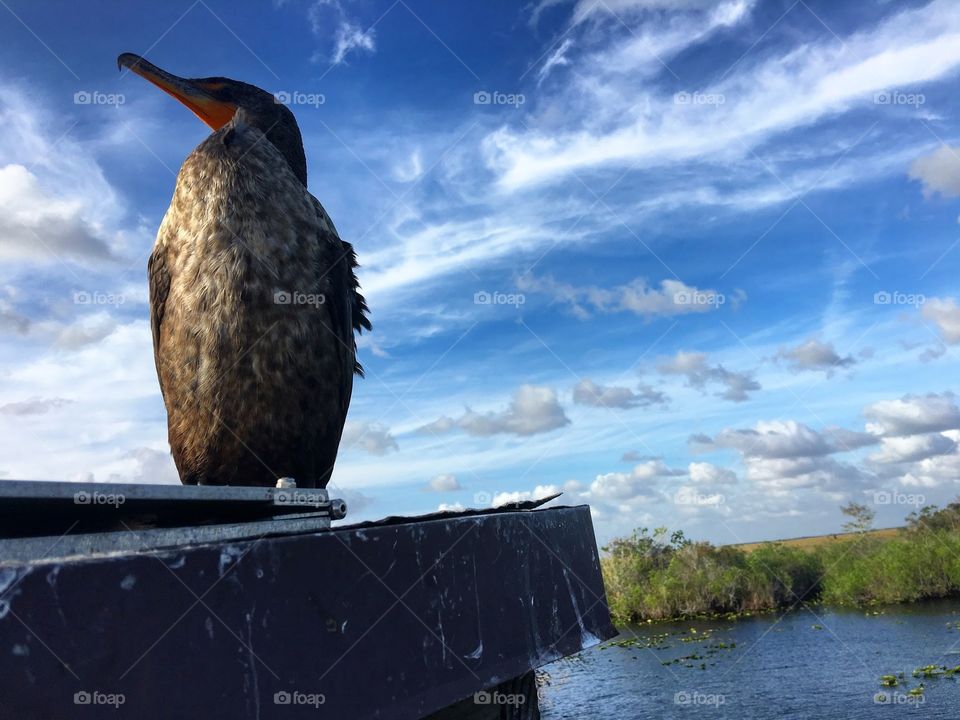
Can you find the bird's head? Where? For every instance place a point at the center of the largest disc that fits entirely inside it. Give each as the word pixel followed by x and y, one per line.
pixel 215 100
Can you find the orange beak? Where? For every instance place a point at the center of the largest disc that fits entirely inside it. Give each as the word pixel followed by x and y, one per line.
pixel 195 94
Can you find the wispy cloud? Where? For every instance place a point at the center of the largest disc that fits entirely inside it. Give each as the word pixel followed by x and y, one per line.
pixel 330 20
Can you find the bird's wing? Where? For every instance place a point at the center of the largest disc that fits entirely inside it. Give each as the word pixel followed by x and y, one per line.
pixel 159 279
pixel 342 263
pixel 358 304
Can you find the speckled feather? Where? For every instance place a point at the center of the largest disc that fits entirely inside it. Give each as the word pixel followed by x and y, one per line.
pixel 255 388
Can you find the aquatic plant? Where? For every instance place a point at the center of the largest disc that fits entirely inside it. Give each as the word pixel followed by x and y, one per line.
pixel 649 577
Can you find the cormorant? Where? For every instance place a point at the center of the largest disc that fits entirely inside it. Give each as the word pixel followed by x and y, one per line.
pixel 254 302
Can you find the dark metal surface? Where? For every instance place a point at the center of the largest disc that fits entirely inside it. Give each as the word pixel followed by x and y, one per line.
pixel 381 621
pixel 40 508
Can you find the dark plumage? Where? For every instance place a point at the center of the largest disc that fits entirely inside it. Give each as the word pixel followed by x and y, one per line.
pixel 253 295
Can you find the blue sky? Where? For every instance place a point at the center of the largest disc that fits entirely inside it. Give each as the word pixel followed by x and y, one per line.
pixel 691 262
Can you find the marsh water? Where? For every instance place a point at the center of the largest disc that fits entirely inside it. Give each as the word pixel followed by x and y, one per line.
pixel 809 664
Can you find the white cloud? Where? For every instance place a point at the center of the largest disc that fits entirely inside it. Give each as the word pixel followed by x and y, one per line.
pixel 348 36
pixel 945 314
pixel 913 414
pixel 694 367
pixel 538 493
pixel 409 170
pixel 672 298
pixel 939 171
pixel 443 483
pixel 785 474
pixel 936 470
pixel 34 224
pixel 532 410
pixel 785 439
pixel 372 437
pixel 812 354
pixel 557 58
pixel 587 392
pixel 702 473
pixel 630 125
pixel 33 406
pixel 912 448
pixel 86 330
pixel 147 465
pixel 637 485
pixel 450 507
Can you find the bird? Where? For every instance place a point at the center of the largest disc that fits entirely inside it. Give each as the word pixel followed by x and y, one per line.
pixel 255 305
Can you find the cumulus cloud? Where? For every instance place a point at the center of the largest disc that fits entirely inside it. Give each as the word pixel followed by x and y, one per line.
pixel 86 330
pixel 587 392
pixel 939 172
pixel 371 437
pixel 538 493
pixel 36 225
pixel 638 484
pixel 788 439
pixel 443 483
pixel 783 455
pixel 673 297
pixel 945 314
pixel 912 448
pixel 782 439
pixel 148 466
pixel 813 354
pixel 703 473
pixel 33 406
pixel 532 410
pixel 695 368
pixel 918 439
pixel 914 414
pixel 785 474
pixel 938 469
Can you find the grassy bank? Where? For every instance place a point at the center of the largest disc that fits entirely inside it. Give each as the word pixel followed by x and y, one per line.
pixel 656 576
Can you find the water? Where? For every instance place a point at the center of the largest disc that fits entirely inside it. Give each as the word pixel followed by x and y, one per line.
pixel 806 665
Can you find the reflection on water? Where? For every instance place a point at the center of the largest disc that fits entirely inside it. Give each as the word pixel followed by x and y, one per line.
pixel 809 664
